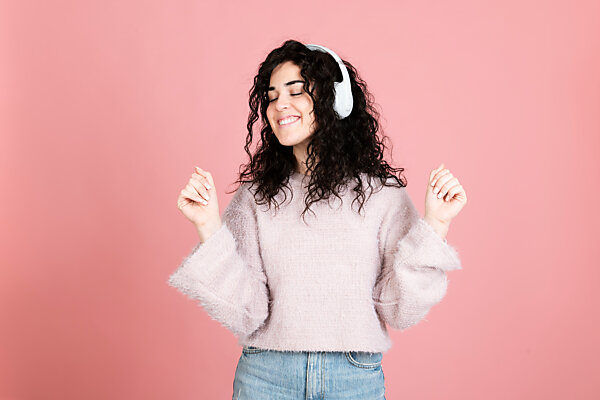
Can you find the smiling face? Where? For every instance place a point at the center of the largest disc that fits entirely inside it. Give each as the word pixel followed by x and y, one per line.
pixel 290 110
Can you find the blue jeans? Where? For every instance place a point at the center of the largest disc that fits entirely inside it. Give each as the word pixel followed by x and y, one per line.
pixel 283 375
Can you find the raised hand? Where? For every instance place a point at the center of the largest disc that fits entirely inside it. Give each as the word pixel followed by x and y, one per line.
pixel 198 202
pixel 445 196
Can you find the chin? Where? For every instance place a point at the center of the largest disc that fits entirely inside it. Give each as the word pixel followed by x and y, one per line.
pixel 287 140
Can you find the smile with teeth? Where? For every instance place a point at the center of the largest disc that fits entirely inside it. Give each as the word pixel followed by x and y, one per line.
pixel 289 120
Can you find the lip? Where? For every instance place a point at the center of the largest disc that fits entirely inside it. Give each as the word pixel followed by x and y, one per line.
pixel 287 116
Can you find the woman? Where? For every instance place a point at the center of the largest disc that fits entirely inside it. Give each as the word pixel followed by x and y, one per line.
pixel 309 298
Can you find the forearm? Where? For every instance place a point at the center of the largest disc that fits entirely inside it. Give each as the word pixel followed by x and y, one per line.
pixel 227 280
pixel 205 231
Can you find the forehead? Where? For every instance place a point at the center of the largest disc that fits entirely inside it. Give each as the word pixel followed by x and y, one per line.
pixel 284 72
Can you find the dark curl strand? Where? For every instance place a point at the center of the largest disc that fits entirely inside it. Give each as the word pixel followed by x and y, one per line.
pixel 344 148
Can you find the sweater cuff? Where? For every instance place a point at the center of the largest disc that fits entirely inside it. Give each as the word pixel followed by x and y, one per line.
pixel 424 247
pixel 205 259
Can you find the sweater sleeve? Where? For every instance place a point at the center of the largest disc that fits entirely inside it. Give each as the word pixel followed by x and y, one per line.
pixel 415 260
pixel 225 273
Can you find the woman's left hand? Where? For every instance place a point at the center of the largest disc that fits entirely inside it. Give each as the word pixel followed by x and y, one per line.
pixel 452 197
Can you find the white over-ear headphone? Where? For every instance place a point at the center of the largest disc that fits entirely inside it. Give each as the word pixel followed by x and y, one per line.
pixel 343 93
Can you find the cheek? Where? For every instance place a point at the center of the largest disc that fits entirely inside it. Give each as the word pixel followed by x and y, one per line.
pixel 273 124
pixel 269 114
pixel 306 105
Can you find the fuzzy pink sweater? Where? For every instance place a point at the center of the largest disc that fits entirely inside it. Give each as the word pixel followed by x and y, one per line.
pixel 330 284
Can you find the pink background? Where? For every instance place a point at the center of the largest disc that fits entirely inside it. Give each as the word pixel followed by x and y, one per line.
pixel 106 106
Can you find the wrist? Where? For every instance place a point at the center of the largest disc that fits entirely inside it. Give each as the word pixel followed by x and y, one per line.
pixel 207 230
pixel 441 227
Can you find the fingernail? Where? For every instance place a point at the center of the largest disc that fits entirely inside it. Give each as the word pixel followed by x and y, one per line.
pixel 207 186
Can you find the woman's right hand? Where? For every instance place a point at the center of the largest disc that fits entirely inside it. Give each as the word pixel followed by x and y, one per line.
pixel 198 200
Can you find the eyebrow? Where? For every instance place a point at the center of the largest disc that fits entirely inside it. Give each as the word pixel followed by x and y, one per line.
pixel 288 84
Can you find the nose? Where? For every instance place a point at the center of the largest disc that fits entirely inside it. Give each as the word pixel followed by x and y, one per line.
pixel 281 103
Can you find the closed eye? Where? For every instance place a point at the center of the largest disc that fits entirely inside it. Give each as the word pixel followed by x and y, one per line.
pixel 292 94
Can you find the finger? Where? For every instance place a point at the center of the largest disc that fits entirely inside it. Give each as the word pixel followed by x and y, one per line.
pixel 443 184
pixel 206 175
pixel 201 178
pixel 433 172
pixel 184 200
pixel 194 186
pixel 193 196
pixel 440 178
pixel 452 191
pixel 203 181
pixel 439 174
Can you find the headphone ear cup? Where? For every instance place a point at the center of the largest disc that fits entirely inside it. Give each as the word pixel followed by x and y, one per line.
pixel 343 99
pixel 343 92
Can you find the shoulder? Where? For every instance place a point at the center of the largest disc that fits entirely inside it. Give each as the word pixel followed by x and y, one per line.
pixel 396 204
pixel 244 191
pixel 389 192
pixel 395 193
pixel 382 199
pixel 242 200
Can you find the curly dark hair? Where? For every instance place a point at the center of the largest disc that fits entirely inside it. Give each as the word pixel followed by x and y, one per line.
pixel 344 148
